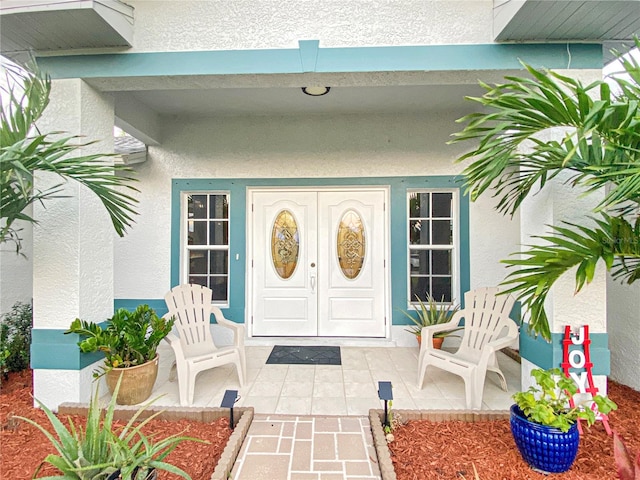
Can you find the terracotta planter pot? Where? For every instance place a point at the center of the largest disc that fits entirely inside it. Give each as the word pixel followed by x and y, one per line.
pixel 137 382
pixel 437 342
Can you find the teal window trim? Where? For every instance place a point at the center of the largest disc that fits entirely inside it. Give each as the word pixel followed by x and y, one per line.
pixel 310 57
pixel 431 247
pixel 399 186
pixel 209 247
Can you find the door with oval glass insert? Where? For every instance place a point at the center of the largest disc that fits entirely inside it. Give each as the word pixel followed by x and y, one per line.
pixel 319 263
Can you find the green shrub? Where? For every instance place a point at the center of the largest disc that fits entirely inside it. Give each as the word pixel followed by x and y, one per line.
pixel 15 338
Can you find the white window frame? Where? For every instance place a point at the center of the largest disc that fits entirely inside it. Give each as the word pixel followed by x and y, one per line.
pixel 185 248
pixel 454 247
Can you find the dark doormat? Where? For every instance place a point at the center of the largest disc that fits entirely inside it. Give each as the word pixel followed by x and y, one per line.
pixel 287 355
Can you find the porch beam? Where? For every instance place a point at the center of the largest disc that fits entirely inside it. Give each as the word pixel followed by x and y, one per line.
pixel 310 58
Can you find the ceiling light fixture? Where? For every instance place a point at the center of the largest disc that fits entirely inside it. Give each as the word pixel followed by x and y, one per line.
pixel 316 91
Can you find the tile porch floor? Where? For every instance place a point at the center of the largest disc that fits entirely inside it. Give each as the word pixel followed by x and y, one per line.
pixel 348 389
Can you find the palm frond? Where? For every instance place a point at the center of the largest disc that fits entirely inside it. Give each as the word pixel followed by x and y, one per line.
pixel 23 151
pixel 531 130
pixel 612 241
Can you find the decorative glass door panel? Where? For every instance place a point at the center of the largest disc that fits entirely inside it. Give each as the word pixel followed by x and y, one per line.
pixel 319 263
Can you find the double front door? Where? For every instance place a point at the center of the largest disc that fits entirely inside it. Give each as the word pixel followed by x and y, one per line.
pixel 319 262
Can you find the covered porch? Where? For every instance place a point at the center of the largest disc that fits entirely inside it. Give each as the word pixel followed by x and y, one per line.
pixel 346 389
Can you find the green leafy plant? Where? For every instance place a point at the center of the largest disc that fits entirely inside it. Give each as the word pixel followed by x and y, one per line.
pixel 15 338
pixel 432 313
pixel 101 449
pixel 24 150
pixel 548 402
pixel 596 150
pixel 626 466
pixel 128 338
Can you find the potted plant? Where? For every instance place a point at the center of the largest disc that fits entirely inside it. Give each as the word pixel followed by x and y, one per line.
pixel 129 341
pixel 432 314
pixel 544 425
pixel 101 451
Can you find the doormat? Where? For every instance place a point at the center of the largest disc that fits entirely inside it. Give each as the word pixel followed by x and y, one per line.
pixel 288 355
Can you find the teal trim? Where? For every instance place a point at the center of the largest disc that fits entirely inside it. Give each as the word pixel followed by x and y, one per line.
pixel 52 350
pixel 309 54
pixel 309 57
pixel 549 354
pixel 237 189
pixel 459 57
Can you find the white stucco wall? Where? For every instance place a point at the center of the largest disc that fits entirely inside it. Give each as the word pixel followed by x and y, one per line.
pixel 16 270
pixel 623 311
pixel 73 252
pixel 295 147
pixel 250 24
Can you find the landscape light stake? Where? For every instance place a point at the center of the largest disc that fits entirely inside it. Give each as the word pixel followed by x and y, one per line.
pixel 385 393
pixel 228 401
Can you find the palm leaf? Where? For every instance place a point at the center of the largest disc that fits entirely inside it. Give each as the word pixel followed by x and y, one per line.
pixel 599 148
pixel 23 150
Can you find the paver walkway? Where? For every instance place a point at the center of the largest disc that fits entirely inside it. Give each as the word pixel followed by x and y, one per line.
pixel 286 447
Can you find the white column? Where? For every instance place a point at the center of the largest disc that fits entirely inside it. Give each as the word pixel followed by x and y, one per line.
pixel 557 203
pixel 73 240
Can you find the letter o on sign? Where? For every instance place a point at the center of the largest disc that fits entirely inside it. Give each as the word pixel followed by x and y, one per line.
pixel 576 359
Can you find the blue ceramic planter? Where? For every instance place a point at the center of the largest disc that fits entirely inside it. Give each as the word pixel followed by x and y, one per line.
pixel 546 449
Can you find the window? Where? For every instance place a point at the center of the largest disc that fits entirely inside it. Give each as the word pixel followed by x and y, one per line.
pixel 433 244
pixel 207 242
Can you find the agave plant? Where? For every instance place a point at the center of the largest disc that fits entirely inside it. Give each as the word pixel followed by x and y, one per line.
pixel 432 313
pixel 600 147
pixel 101 451
pixel 24 150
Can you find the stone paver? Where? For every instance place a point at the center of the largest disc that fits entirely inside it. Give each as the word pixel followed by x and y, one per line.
pixel 279 447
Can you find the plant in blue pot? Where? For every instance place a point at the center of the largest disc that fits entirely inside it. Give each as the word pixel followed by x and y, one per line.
pixel 545 426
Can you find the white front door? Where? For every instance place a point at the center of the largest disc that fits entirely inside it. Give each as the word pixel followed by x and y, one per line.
pixel 318 263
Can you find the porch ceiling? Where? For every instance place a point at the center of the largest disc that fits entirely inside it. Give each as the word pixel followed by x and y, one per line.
pixel 387 93
pixel 292 101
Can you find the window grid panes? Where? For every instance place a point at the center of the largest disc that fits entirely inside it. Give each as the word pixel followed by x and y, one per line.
pixel 431 237
pixel 207 242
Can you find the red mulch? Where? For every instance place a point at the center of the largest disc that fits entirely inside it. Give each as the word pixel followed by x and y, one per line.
pixel 425 450
pixel 23 447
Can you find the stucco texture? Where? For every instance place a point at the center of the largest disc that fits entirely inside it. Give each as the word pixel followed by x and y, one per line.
pixel 623 312
pixel 247 24
pixel 73 241
pixel 293 147
pixel 16 270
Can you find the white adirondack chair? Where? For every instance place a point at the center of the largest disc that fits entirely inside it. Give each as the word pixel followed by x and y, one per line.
pixel 194 348
pixel 487 329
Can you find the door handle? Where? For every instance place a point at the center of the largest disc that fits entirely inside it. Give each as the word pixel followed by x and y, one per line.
pixel 313 283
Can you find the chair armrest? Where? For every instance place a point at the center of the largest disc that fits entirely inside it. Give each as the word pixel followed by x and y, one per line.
pixel 238 328
pixel 174 341
pixel 505 340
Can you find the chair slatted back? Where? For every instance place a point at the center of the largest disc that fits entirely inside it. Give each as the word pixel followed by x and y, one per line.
pixel 190 305
pixel 485 318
